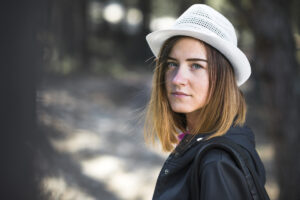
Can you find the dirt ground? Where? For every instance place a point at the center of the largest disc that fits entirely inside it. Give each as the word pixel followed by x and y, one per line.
pixel 95 149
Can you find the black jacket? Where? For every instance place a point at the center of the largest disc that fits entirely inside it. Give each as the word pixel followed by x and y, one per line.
pixel 219 177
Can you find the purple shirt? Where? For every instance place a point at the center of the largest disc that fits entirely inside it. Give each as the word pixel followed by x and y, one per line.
pixel 181 135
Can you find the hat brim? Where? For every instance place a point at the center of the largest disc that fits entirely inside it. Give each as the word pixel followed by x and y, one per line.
pixel 236 57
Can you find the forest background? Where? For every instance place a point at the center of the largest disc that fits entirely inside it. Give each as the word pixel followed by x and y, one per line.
pixel 76 74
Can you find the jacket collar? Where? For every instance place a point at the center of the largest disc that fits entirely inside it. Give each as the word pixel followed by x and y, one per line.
pixel 188 141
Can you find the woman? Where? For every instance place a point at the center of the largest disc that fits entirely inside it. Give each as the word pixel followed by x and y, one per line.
pixel 196 97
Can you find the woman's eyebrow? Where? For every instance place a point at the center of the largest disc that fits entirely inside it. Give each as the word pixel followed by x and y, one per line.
pixel 170 58
pixel 189 59
pixel 196 59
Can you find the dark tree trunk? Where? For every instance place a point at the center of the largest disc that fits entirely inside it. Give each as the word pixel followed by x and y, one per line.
pixel 136 49
pixel 275 48
pixel 183 5
pixel 20 57
pixel 145 7
pixel 80 30
pixel 278 69
pixel 68 24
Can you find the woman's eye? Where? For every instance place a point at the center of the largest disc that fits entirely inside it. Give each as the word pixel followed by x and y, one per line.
pixel 171 64
pixel 196 66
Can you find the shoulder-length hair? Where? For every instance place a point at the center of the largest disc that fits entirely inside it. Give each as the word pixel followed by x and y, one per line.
pixel 225 105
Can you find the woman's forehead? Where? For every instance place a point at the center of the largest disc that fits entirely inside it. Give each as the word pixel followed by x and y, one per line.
pixel 188 47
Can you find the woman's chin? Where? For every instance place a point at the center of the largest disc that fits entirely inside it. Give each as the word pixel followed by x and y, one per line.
pixel 181 110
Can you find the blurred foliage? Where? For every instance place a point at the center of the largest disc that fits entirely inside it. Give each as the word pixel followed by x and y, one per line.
pixel 165 8
pixel 77 33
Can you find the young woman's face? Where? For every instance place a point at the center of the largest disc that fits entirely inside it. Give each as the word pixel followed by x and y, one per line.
pixel 187 78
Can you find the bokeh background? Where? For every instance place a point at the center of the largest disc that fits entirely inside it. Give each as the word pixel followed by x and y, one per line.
pixel 76 77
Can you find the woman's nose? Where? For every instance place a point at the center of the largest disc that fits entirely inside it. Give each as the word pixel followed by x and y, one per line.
pixel 180 76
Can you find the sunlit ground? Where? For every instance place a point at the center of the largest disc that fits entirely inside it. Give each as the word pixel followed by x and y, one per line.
pixel 99 140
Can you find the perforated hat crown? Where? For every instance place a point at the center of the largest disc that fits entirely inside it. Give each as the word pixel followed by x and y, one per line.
pixel 206 24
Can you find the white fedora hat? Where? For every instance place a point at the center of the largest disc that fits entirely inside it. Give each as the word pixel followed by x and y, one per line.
pixel 208 25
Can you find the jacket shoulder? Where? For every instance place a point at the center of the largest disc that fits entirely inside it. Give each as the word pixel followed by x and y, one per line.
pixel 215 156
pixel 221 177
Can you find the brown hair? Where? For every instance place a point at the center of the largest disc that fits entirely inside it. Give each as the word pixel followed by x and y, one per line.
pixel 225 103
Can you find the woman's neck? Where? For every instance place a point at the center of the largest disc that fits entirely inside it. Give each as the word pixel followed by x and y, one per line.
pixel 191 119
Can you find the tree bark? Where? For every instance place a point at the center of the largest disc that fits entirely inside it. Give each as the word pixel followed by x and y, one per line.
pixel 20 58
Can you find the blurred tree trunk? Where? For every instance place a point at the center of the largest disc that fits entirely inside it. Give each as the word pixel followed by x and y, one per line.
pixel 277 67
pixel 183 5
pixel 68 24
pixel 145 7
pixel 20 58
pixel 136 43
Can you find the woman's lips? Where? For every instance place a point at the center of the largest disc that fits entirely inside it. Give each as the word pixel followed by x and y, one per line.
pixel 180 94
